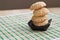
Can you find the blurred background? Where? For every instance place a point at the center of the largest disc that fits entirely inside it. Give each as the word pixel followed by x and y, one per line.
pixel 8 7
pixel 21 4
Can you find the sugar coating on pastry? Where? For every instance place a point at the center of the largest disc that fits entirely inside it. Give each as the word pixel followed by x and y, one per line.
pixel 41 24
pixel 41 12
pixel 37 5
pixel 39 19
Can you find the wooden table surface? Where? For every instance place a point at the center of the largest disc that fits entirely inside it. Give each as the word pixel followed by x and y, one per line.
pixel 17 11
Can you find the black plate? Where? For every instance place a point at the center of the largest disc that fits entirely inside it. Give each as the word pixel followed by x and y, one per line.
pixel 41 28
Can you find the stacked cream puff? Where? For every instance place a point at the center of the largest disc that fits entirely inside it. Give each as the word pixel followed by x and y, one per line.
pixel 39 14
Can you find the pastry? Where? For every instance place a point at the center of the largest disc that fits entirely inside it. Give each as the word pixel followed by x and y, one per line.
pixel 39 19
pixel 41 24
pixel 37 5
pixel 41 12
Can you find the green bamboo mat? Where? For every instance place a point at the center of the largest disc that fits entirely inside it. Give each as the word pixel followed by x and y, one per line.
pixel 16 28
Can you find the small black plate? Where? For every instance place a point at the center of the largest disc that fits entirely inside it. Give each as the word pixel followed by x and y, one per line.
pixel 40 28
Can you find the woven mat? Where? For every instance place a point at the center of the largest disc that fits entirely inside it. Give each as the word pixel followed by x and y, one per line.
pixel 16 28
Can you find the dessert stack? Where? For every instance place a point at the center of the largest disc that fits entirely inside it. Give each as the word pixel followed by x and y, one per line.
pixel 39 19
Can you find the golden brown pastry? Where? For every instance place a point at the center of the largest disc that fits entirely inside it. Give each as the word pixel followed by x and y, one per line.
pixel 39 19
pixel 41 12
pixel 37 5
pixel 41 24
